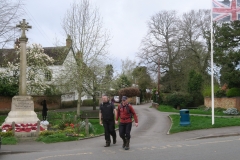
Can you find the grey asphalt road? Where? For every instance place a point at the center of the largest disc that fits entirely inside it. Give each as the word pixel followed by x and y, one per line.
pixel 149 141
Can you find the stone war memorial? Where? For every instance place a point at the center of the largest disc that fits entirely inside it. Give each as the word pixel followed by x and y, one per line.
pixel 22 119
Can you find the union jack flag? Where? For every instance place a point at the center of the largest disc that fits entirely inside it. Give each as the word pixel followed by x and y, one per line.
pixel 226 10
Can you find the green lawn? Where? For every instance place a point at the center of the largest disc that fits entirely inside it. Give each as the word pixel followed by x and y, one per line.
pixel 202 122
pixel 204 111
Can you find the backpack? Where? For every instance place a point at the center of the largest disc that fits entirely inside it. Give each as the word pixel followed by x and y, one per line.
pixel 127 108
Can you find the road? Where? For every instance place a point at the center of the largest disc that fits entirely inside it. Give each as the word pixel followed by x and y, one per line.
pixel 149 142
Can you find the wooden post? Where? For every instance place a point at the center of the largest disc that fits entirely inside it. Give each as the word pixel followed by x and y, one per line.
pixel 87 127
pixel 38 128
pixel 63 117
pixel 75 118
pixel 13 128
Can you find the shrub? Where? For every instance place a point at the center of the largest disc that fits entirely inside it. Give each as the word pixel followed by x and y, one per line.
pixel 8 87
pixel 51 90
pixel 69 104
pixel 220 93
pixel 155 98
pixel 208 90
pixel 89 102
pixel 233 92
pixel 6 134
pixel 179 99
pixel 46 133
pixel 197 100
pixel 129 92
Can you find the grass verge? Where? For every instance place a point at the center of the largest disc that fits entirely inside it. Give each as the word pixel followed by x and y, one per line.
pixel 202 122
pixel 203 111
pixel 9 140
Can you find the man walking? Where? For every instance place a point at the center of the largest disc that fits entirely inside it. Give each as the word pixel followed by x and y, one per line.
pixel 125 112
pixel 106 118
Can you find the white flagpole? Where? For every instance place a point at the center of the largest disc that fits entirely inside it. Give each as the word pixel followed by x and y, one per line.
pixel 212 83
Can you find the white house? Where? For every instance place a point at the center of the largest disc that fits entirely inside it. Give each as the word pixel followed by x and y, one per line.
pixel 60 54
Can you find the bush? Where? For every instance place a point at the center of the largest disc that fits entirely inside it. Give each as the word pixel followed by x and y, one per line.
pixel 233 92
pixel 208 90
pixel 89 102
pixel 179 99
pixel 69 104
pixel 129 92
pixel 6 134
pixel 51 90
pixel 198 99
pixel 220 93
pixel 46 133
pixel 8 87
pixel 155 98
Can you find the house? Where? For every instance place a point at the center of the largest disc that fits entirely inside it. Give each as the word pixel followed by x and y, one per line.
pixel 60 54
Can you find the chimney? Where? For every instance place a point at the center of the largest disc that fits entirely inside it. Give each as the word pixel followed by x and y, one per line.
pixel 68 41
pixel 16 44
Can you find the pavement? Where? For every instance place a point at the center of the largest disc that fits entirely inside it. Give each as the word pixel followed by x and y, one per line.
pixel 27 145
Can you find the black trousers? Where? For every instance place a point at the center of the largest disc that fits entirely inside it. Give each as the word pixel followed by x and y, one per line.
pixel 125 130
pixel 109 129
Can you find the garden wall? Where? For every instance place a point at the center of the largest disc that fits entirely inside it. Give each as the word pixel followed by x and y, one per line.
pixel 53 102
pixel 224 102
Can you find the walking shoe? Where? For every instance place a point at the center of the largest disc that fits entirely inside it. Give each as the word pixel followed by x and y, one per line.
pixel 127 144
pixel 107 144
pixel 124 143
pixel 114 139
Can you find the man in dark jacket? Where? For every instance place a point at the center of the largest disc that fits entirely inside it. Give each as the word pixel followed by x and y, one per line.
pixel 106 118
pixel 125 112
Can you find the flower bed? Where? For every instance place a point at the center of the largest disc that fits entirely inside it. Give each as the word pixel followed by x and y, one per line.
pixel 28 127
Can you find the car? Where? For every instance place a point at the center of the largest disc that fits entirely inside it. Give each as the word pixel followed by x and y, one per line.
pixel 116 98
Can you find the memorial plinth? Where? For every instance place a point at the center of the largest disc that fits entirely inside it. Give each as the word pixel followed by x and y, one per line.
pixel 22 111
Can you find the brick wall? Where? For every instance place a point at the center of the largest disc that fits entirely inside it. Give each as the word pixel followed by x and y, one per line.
pixel 224 102
pixel 53 102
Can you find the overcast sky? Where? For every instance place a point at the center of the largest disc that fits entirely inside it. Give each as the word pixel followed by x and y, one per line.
pixel 126 20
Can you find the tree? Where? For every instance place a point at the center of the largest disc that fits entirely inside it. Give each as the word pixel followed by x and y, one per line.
pixel 128 67
pixel 161 43
pixel 122 82
pixel 9 16
pixel 180 43
pixel 89 42
pixel 107 78
pixel 37 63
pixel 142 77
pixel 226 52
pixel 195 88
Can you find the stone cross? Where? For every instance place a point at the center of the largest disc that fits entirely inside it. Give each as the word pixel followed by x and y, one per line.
pixel 24 26
pixel 23 60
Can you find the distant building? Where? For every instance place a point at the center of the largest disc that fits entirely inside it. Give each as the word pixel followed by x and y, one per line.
pixel 60 54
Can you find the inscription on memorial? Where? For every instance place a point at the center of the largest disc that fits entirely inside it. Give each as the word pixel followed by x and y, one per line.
pixel 21 104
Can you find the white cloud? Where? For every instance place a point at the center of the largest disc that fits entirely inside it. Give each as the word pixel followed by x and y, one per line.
pixel 126 20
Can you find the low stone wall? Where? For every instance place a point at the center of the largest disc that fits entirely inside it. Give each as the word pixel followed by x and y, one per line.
pixel 53 102
pixel 155 105
pixel 224 102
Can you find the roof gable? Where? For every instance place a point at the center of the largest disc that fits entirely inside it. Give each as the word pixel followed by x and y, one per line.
pixel 59 55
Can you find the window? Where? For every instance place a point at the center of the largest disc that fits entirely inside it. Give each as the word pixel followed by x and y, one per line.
pixel 48 76
pixel 15 73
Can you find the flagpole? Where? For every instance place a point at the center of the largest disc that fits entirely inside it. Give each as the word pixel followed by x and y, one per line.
pixel 212 83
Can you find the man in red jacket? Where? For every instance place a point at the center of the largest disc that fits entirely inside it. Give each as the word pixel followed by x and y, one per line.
pixel 125 112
